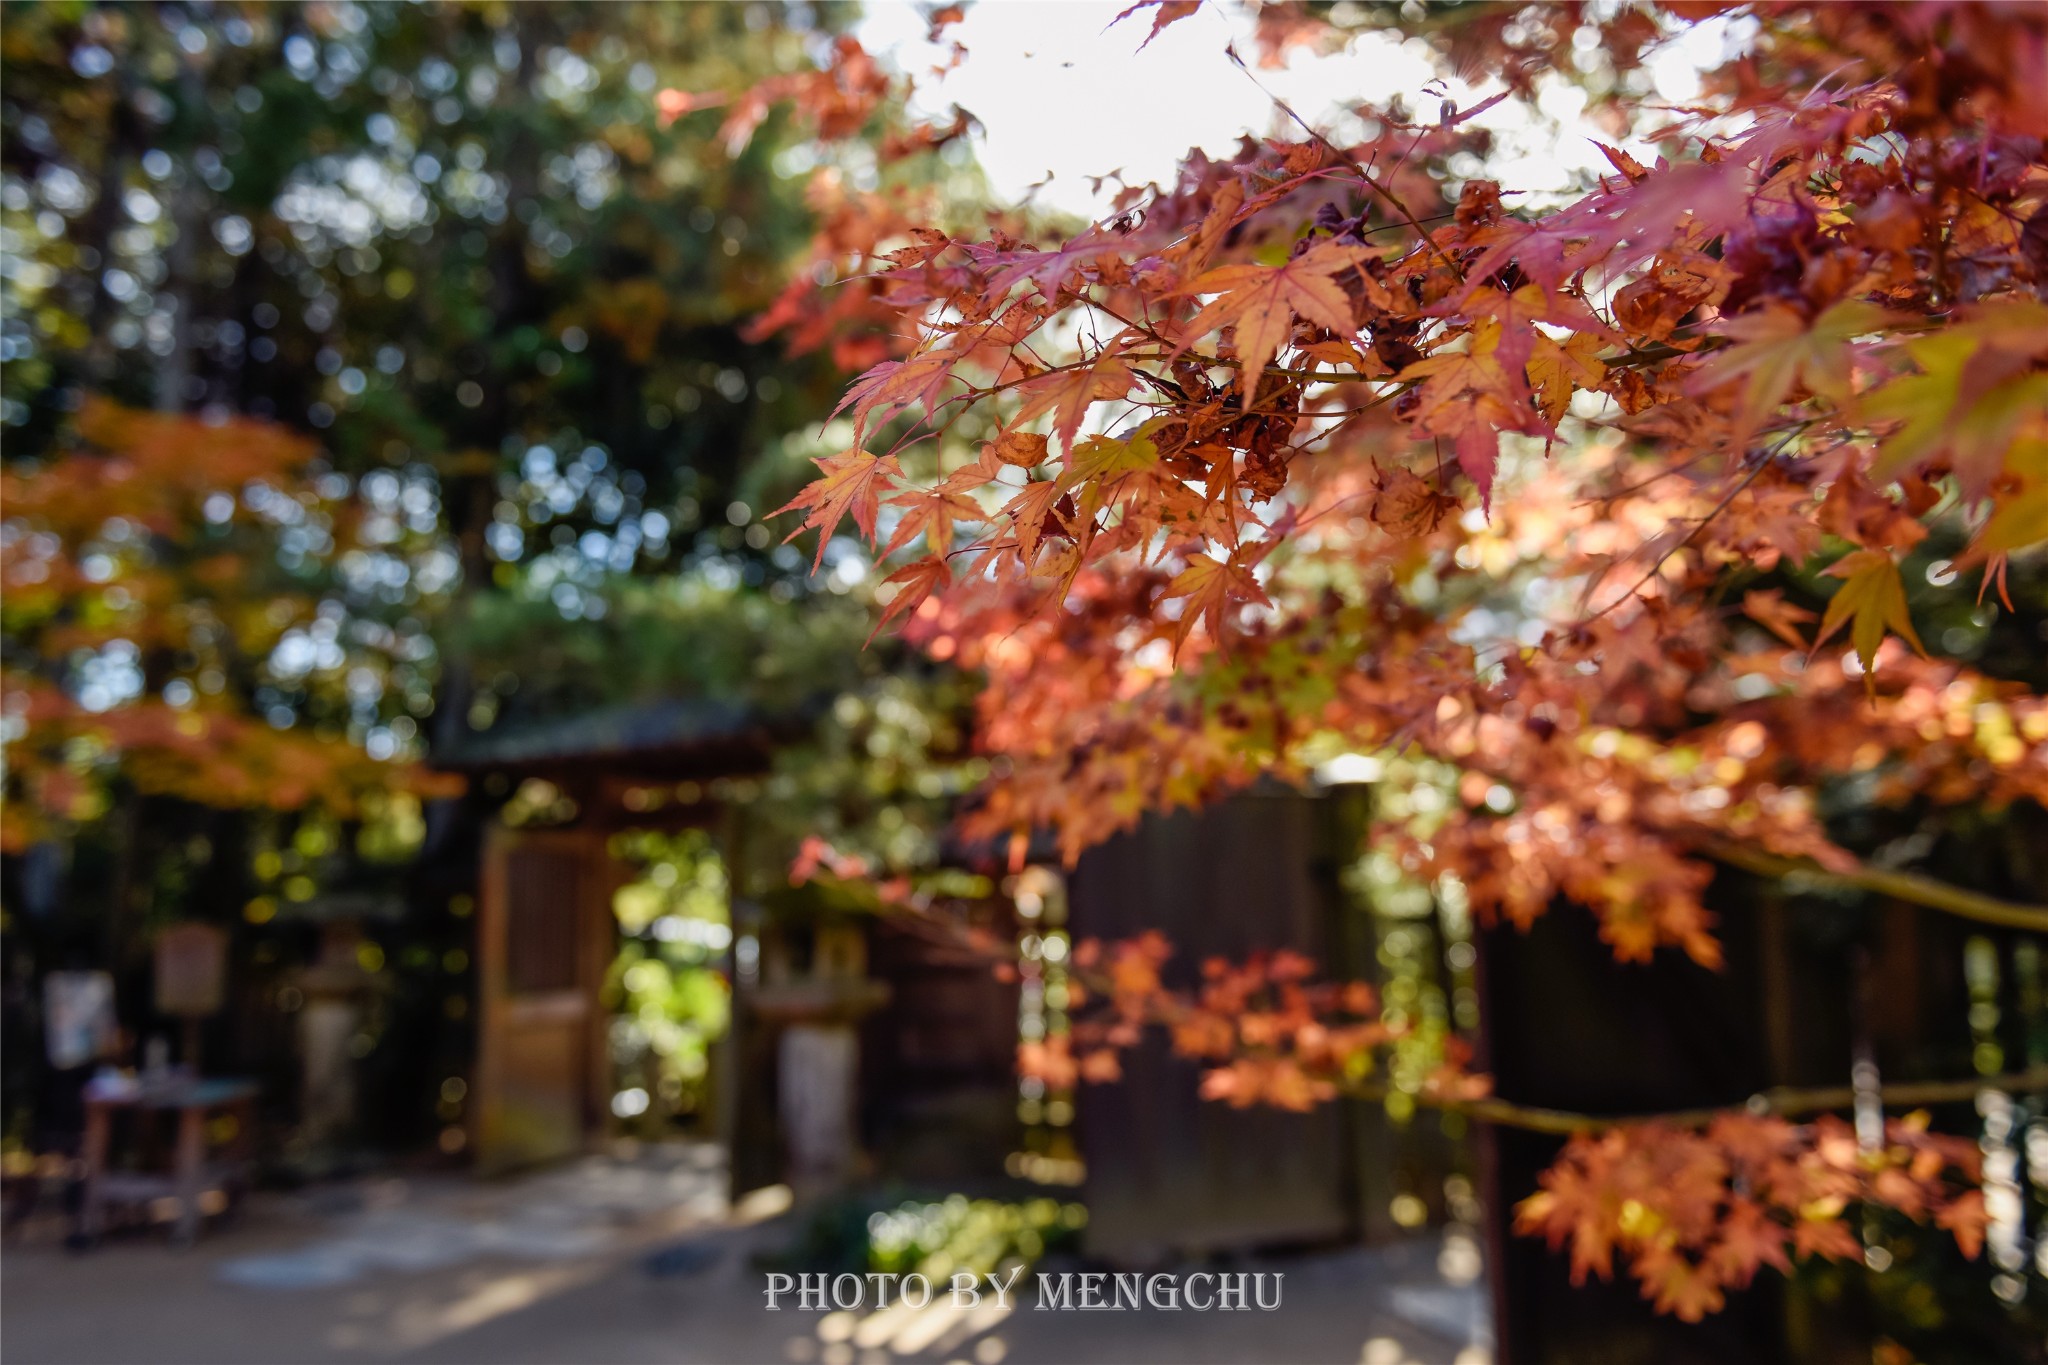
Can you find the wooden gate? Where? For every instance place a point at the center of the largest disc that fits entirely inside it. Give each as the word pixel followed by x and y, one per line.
pixel 544 939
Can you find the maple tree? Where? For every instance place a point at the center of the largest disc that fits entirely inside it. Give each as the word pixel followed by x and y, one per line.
pixel 1329 447
pixel 133 554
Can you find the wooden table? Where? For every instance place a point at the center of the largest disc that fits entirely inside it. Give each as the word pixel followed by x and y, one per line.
pixel 192 1175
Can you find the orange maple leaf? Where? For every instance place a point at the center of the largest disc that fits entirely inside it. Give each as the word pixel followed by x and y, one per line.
pixel 853 481
pixel 1825 1235
pixel 1514 316
pixel 1025 449
pixel 971 476
pixel 1749 1239
pixel 1030 510
pixel 1965 1218
pixel 931 511
pixel 1559 368
pixel 894 385
pixel 1073 391
pixel 914 583
pixel 1263 301
pixel 1679 1287
pixel 1211 586
pixel 1471 395
pixel 1406 505
pixel 1769 609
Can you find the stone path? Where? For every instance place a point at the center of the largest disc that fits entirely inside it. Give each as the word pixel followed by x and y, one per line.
pixel 636 1259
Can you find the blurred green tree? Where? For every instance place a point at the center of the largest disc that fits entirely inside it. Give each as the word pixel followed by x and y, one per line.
pixel 450 242
pixel 496 306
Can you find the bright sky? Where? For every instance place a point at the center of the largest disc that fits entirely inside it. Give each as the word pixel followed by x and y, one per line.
pixel 1056 93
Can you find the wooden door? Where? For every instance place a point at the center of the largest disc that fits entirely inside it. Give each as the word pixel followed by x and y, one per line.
pixel 544 938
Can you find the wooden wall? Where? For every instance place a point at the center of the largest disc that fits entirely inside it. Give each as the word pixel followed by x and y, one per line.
pixel 1167 1171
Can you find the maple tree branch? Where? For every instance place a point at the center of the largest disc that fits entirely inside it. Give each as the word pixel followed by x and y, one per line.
pixel 1704 522
pixel 1627 490
pixel 1778 1101
pixel 1905 886
pixel 1781 1101
pixel 1353 162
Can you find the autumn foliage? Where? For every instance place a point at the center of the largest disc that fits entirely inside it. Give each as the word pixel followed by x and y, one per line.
pixel 157 536
pixel 1616 504
pixel 1695 1213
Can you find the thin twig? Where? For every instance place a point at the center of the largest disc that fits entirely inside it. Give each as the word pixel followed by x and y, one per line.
pixel 1353 162
pixel 1704 522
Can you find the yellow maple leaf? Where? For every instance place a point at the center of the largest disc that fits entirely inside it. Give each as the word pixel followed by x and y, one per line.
pixel 1975 389
pixel 1101 456
pixel 1871 600
pixel 2018 521
pixel 1450 372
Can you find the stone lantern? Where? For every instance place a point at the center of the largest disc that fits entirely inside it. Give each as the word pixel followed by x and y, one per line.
pixel 336 996
pixel 816 999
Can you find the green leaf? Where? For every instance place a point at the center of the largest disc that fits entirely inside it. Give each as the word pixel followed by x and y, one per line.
pixel 1774 347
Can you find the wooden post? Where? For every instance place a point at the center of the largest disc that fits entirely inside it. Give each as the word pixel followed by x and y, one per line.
pixel 190 1171
pixel 99 1123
